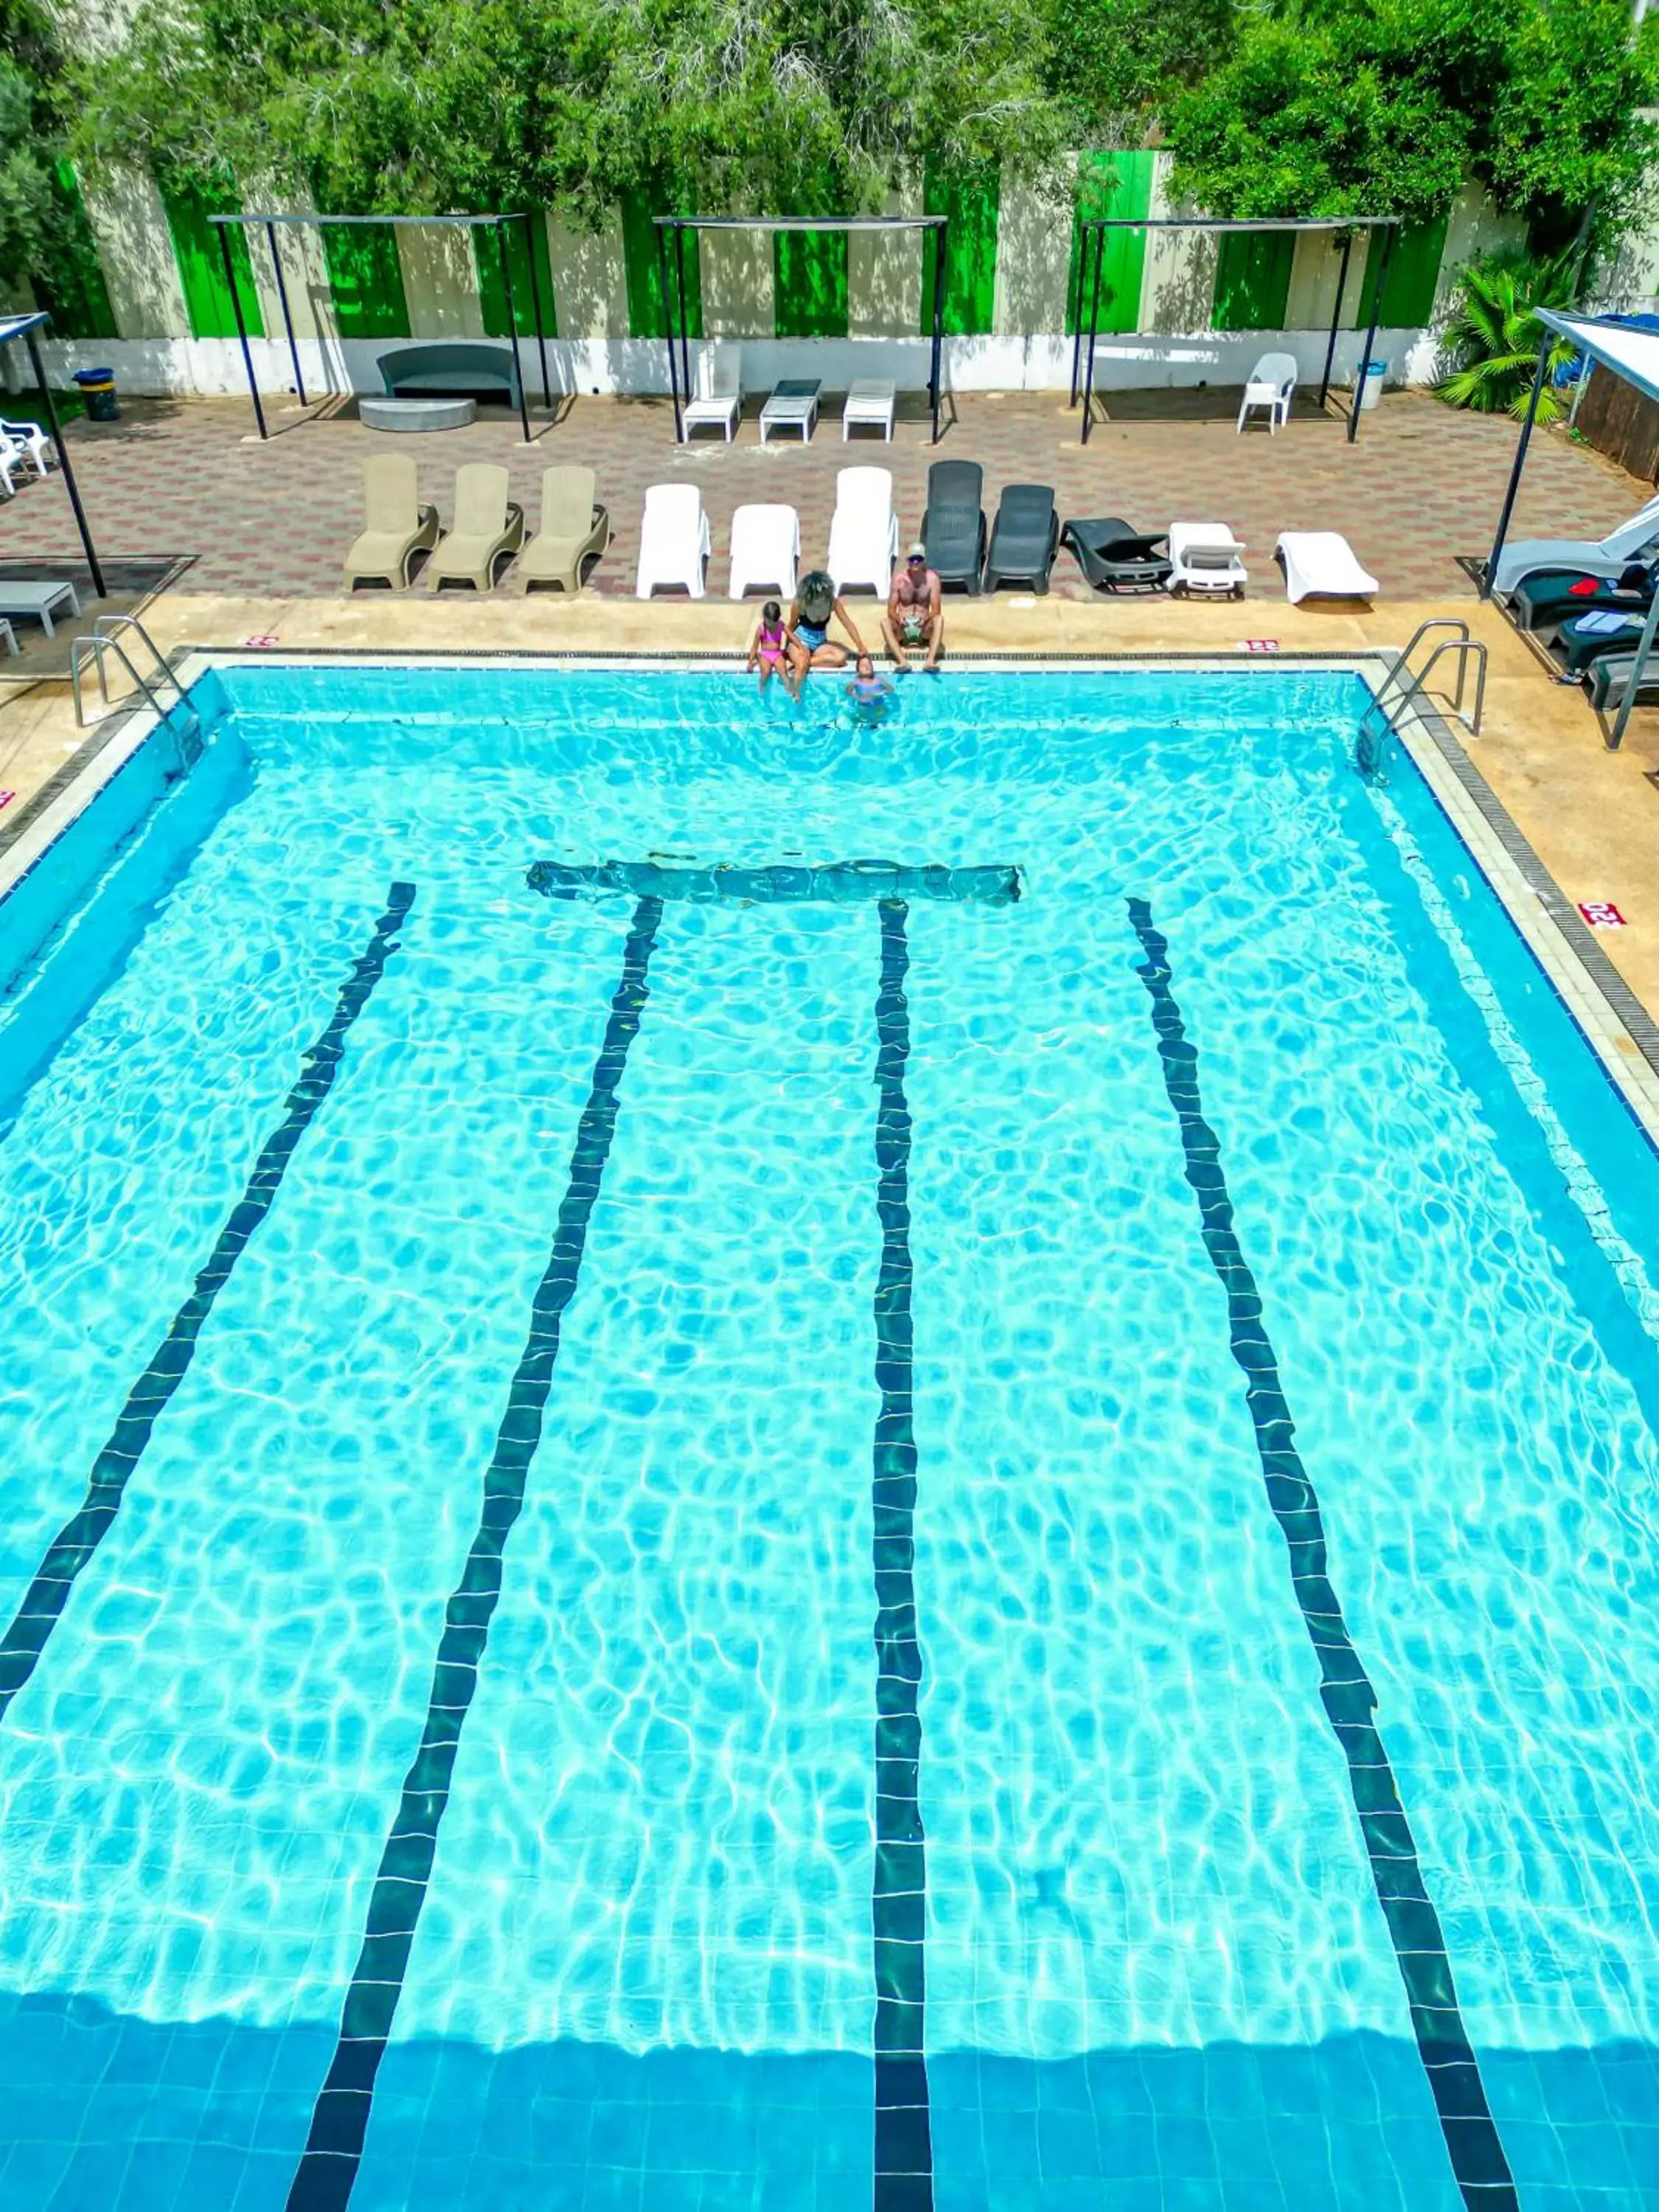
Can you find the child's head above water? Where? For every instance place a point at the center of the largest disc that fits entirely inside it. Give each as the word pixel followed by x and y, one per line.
pixel 772 613
pixel 867 667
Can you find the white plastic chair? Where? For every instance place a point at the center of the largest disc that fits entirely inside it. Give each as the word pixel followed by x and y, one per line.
pixel 765 550
pixel 1272 385
pixel 30 435
pixel 1205 557
pixel 12 456
pixel 719 396
pixel 864 533
pixel 675 540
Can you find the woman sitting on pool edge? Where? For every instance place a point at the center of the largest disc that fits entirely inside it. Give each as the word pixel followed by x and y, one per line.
pixel 817 603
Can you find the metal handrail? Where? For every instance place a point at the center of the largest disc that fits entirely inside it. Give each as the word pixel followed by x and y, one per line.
pixel 1373 745
pixel 103 638
pixel 1435 621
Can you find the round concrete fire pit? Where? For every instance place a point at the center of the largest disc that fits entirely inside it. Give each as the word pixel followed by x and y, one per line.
pixel 383 414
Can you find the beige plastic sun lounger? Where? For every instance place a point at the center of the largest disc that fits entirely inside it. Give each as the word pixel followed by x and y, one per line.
pixel 488 526
pixel 398 528
pixel 574 526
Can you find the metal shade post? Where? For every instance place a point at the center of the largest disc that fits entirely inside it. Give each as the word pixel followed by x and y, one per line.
pixel 685 323
pixel 513 327
pixel 1336 320
pixel 1518 464
pixel 1094 320
pixel 1097 238
pixel 535 303
pixel 287 319
pixel 241 326
pixel 70 484
pixel 1639 668
pixel 1370 335
pixel 668 331
pixel 941 247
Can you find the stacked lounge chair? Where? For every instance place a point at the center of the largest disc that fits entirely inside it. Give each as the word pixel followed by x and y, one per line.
pixel 489 528
pixel 575 528
pixel 397 527
pixel 1025 539
pixel 953 527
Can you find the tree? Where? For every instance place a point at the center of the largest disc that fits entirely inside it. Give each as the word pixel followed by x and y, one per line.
pixel 431 106
pixel 1116 64
pixel 1331 107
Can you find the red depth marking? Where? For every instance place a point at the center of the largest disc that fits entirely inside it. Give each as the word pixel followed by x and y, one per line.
pixel 1601 914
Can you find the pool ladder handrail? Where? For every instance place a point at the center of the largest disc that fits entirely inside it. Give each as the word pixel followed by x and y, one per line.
pixel 1413 684
pixel 103 638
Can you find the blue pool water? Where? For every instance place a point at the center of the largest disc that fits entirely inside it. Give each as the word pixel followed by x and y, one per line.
pixel 748 1552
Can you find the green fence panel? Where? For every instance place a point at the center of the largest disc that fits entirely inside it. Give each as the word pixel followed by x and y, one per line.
pixel 809 284
pixel 365 280
pixel 971 199
pixel 201 262
pixel 492 291
pixel 647 317
pixel 1253 279
pixel 1119 185
pixel 1413 274
pixel 72 291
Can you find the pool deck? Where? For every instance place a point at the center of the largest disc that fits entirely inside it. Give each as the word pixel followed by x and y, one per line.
pixel 1419 491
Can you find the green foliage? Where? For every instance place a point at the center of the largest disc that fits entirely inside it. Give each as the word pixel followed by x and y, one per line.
pixel 31 216
pixel 1336 108
pixel 1115 63
pixel 1492 339
pixel 417 106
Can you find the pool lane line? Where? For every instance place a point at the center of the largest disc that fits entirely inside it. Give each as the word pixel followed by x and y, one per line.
pixel 1454 2073
pixel 904 2152
pixel 328 2166
pixel 81 1535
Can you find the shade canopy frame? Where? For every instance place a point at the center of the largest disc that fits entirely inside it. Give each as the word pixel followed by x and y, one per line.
pixel 28 329
pixel 1094 228
pixel 679 373
pixel 270 221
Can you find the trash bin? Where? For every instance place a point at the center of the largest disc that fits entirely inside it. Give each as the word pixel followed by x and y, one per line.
pixel 1372 390
pixel 97 389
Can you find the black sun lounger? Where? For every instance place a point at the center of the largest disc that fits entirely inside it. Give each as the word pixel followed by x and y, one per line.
pixel 1609 680
pixel 1116 558
pixel 1024 538
pixel 953 528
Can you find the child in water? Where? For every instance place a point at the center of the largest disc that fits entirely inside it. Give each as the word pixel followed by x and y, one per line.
pixel 768 648
pixel 869 692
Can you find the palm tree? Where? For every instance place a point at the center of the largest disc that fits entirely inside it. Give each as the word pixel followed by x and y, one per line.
pixel 1492 339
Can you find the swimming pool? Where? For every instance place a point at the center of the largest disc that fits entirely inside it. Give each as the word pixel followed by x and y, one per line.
pixel 686 1528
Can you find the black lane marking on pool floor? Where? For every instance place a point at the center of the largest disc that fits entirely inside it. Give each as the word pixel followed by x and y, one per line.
pixel 80 1536
pixel 1472 2140
pixel 904 2151
pixel 339 2121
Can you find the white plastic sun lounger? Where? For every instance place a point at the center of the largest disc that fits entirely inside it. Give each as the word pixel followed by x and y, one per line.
pixel 1272 385
pixel 765 549
pixel 719 396
pixel 1205 557
pixel 9 639
pixel 675 540
pixel 1320 564
pixel 869 405
pixel 794 406
pixel 40 600
pixel 1608 556
pixel 864 532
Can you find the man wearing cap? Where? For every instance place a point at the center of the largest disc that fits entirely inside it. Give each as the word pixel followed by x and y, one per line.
pixel 915 611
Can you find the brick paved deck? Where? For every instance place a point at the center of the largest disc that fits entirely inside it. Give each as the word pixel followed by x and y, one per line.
pixel 1422 486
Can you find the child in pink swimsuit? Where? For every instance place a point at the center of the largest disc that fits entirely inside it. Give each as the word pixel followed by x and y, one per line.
pixel 768 649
